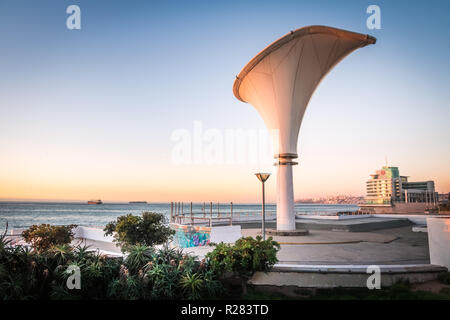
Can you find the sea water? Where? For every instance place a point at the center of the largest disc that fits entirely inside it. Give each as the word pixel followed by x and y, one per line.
pixel 25 214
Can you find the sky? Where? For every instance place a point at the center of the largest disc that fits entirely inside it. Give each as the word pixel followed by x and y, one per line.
pixel 92 113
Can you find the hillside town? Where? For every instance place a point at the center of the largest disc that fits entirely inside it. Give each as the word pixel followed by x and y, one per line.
pixel 337 199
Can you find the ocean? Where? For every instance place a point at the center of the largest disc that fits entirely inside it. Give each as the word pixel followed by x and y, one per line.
pixel 25 214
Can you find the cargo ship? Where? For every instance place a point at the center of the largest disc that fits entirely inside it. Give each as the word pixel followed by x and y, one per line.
pixel 95 202
pixel 137 202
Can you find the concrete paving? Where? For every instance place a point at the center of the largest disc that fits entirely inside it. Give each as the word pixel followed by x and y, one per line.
pixel 353 225
pixel 388 246
pixel 359 224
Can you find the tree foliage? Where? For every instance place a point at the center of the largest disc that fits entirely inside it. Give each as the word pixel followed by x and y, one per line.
pixel 44 236
pixel 148 230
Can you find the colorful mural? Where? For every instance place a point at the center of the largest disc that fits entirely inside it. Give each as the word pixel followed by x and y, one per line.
pixel 191 236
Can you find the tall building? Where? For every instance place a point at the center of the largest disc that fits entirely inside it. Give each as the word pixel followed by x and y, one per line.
pixel 383 186
pixel 387 186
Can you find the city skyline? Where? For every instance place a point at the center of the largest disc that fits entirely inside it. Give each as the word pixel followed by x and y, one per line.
pixel 90 113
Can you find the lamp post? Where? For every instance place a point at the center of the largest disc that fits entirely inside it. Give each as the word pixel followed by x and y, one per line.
pixel 263 177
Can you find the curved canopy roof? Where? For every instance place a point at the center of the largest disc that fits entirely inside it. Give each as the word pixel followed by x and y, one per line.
pixel 280 80
pixel 365 39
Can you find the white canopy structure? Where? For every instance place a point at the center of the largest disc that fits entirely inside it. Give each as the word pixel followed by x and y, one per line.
pixel 279 82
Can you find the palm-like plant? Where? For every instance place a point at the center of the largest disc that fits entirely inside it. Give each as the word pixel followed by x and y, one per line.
pixel 156 272
pixel 138 257
pixel 192 285
pixel 213 287
pixel 4 242
pixel 167 254
pixel 83 252
pixel 60 292
pixel 12 288
pixel 62 254
pixel 189 264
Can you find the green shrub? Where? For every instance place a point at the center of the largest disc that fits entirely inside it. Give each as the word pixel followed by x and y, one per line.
pixel 444 277
pixel 245 257
pixel 241 260
pixel 97 273
pixel 146 273
pixel 192 285
pixel 138 257
pixel 44 236
pixel 165 274
pixel 148 230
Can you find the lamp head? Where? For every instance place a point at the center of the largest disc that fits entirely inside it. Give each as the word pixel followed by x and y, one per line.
pixel 262 176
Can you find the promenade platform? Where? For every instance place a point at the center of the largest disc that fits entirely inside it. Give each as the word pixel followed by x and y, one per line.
pixel 355 224
pixel 387 246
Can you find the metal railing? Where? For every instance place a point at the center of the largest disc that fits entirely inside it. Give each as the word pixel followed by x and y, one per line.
pixel 178 215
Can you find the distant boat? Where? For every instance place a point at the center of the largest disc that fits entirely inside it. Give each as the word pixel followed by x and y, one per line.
pixel 137 202
pixel 95 202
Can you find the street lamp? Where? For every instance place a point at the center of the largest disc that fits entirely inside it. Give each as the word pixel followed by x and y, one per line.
pixel 263 177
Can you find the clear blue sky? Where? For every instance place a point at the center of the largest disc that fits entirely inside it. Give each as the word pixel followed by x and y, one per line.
pixel 91 111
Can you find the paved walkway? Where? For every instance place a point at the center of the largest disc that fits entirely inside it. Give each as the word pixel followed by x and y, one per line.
pixel 389 246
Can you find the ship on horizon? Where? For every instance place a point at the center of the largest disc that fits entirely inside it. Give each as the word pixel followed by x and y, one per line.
pixel 95 202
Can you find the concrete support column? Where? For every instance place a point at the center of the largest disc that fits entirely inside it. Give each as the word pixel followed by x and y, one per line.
pixel 285 194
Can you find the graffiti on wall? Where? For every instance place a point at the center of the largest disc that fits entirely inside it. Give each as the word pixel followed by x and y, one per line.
pixel 191 236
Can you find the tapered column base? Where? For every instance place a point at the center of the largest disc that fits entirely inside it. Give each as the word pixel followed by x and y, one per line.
pixel 285 196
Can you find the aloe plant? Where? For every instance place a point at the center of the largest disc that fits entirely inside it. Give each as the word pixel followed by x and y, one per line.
pixel 62 253
pixel 193 285
pixel 138 257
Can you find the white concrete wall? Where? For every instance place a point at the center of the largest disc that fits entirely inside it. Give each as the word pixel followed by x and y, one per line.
pixel 17 231
pixel 420 219
pixel 414 218
pixel 334 280
pixel 227 234
pixel 332 276
pixel 402 208
pixel 439 241
pixel 334 217
pixel 420 229
pixel 92 234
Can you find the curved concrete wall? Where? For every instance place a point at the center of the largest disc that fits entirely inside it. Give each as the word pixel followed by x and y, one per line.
pixel 439 241
pixel 92 234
